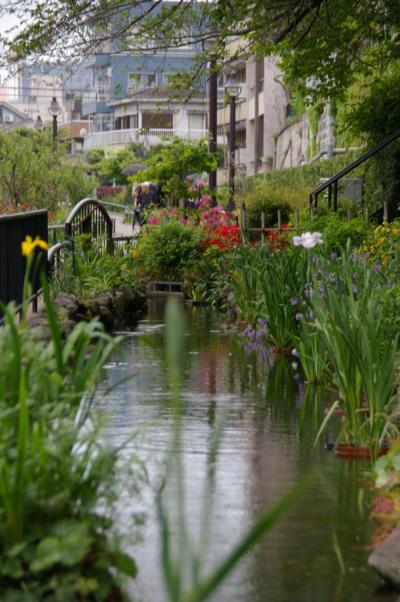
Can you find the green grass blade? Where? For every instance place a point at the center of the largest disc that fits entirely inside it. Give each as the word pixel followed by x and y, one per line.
pixel 264 524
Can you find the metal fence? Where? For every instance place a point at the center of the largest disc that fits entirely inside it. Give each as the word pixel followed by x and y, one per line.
pixel 13 230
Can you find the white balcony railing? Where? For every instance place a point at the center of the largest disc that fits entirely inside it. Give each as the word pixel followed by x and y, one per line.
pixel 149 137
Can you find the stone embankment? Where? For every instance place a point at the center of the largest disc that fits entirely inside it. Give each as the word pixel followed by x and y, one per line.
pixel 115 308
pixel 386 559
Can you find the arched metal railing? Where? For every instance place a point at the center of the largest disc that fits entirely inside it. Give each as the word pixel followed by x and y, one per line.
pixel 89 217
pixel 55 256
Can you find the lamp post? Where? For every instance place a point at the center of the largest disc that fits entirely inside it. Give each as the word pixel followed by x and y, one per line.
pixel 232 90
pixel 54 111
pixel 212 126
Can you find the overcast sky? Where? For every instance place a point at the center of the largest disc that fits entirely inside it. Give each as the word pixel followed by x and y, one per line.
pixel 6 21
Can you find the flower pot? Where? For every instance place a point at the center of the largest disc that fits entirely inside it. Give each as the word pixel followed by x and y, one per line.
pixel 346 450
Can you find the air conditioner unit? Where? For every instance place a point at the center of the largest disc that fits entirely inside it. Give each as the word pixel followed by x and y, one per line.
pixel 8 118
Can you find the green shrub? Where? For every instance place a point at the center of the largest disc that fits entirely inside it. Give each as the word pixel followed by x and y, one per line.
pixel 94 269
pixel 337 230
pixel 267 201
pixel 201 281
pixel 168 250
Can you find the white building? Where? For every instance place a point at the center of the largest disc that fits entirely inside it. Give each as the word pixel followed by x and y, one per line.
pixel 148 115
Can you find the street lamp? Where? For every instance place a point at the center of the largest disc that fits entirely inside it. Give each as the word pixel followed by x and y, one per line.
pixel 232 89
pixel 54 111
pixel 212 119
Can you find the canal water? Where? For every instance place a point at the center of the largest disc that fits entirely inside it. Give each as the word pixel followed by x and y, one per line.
pixel 270 423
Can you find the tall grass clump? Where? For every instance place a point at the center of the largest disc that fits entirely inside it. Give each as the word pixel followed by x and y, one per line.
pixel 354 318
pixel 57 489
pixel 267 284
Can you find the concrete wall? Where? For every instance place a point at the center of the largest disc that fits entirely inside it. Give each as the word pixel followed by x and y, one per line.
pixel 272 101
pixel 291 145
pixel 296 144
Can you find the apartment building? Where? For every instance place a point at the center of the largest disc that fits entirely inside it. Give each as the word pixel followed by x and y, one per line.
pixel 267 135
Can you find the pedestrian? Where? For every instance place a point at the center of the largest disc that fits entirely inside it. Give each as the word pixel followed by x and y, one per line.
pixel 136 192
pixel 146 196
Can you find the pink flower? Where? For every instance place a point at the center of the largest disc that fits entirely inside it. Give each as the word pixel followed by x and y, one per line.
pixel 153 220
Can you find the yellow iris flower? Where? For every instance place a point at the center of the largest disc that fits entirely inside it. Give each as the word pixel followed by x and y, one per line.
pixel 28 245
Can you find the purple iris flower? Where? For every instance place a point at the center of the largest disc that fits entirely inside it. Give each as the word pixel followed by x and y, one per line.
pixel 293 301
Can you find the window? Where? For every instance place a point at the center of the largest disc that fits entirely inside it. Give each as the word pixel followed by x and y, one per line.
pixel 102 82
pixel 141 81
pixel 195 121
pixel 157 119
pixel 240 75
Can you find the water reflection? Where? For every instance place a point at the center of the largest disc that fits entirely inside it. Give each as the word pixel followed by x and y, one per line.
pixel 268 444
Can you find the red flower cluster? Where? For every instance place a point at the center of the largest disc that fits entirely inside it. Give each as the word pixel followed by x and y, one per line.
pixel 225 237
pixel 278 239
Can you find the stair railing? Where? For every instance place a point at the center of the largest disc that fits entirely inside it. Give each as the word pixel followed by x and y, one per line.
pixel 332 183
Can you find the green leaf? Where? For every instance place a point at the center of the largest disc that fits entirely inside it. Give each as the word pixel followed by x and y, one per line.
pixel 124 563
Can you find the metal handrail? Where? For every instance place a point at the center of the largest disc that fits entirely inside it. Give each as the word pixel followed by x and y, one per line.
pixel 55 249
pixel 33 299
pixel 125 209
pixel 15 216
pixel 332 182
pixel 53 227
pixel 95 204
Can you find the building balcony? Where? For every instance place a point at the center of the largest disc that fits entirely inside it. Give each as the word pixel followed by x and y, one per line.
pixel 149 137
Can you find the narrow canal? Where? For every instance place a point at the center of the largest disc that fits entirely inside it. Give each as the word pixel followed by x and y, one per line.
pixel 266 447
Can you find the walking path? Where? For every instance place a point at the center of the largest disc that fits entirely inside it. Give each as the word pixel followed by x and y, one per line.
pixel 121 228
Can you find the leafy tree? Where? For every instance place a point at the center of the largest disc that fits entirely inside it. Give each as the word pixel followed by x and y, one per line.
pixel 33 172
pixel 172 163
pixel 351 55
pixel 142 152
pixel 95 155
pixel 325 45
pixel 58 26
pixel 109 168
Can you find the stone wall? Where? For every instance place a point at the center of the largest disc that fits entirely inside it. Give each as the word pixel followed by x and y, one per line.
pixel 296 144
